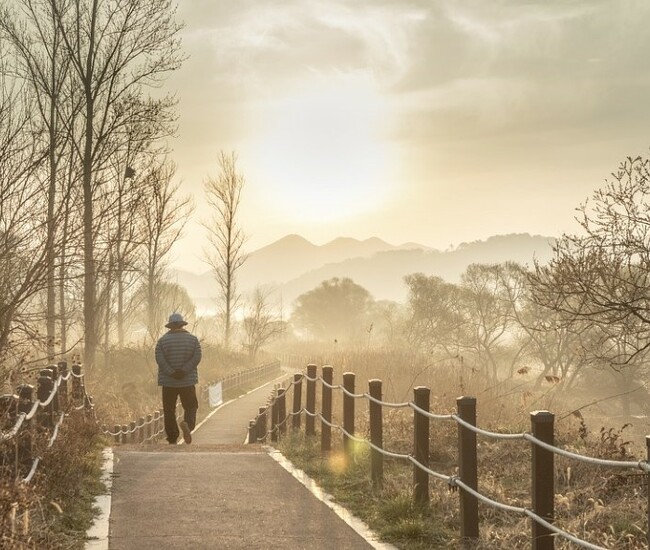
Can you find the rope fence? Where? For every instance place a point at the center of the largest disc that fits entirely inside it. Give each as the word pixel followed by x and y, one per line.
pixel 239 379
pixel 272 420
pixel 30 413
pixel 148 428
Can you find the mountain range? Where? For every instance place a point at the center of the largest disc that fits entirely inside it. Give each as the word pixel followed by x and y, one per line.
pixel 294 265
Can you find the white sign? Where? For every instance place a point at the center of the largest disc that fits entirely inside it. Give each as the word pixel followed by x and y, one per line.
pixel 215 395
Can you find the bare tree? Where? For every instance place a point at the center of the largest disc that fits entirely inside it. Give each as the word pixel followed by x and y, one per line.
pixel 163 216
pixel 36 40
pixel 169 297
pixel 601 276
pixel 486 309
pixel 261 322
pixel 226 254
pixel 23 223
pixel 115 50
pixel 433 314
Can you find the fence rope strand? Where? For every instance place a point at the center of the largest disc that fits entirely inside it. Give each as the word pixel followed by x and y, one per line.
pixel 453 481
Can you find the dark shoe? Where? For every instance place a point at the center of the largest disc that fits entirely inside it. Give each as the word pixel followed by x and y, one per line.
pixel 187 433
pixel 171 442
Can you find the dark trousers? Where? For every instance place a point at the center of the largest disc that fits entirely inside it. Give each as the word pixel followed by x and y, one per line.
pixel 190 404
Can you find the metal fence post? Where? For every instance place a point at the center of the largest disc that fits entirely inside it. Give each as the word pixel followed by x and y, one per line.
pixel 348 413
pixel 376 433
pixel 543 477
pixel 326 408
pixel 421 397
pixel 297 400
pixel 310 421
pixel 467 469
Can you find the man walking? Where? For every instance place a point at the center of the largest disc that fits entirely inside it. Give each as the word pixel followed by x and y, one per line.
pixel 178 354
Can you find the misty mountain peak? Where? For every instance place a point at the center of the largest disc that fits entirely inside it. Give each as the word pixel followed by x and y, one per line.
pixel 294 265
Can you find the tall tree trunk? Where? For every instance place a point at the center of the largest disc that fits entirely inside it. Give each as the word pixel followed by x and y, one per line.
pixel 119 274
pixel 51 228
pixel 120 311
pixel 63 274
pixel 90 326
pixel 90 321
pixel 51 200
pixel 107 313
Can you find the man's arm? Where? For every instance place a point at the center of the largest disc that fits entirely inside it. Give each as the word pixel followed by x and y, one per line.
pixel 193 361
pixel 162 362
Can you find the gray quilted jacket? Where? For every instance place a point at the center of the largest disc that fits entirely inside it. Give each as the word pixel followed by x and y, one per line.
pixel 178 350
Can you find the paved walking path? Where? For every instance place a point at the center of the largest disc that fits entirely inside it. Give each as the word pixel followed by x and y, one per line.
pixel 218 493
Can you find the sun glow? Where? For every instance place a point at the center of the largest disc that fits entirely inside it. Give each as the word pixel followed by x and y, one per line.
pixel 321 153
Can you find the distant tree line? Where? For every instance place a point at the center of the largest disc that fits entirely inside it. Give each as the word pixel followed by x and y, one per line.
pixel 583 319
pixel 88 205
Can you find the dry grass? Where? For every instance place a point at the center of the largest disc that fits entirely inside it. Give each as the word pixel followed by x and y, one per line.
pixel 56 509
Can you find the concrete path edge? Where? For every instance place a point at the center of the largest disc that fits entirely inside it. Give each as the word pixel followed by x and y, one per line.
pixel 354 522
pixel 97 534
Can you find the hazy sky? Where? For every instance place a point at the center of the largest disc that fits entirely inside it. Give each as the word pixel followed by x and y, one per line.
pixel 437 122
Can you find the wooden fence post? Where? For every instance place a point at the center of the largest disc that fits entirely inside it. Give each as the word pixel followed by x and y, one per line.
pixel 543 476
pixel 647 444
pixel 124 434
pixel 155 426
pixel 261 424
pixel 310 421
pixel 117 429
pixel 376 433
pixel 141 430
pixel 62 369
pixel 8 415
pixel 348 413
pixel 297 400
pixel 77 388
pixel 55 400
pixel 326 409
pixel 149 431
pixel 252 432
pixel 25 394
pixel 133 428
pixel 274 417
pixel 282 410
pixel 467 470
pixel 421 398
pixel 43 391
